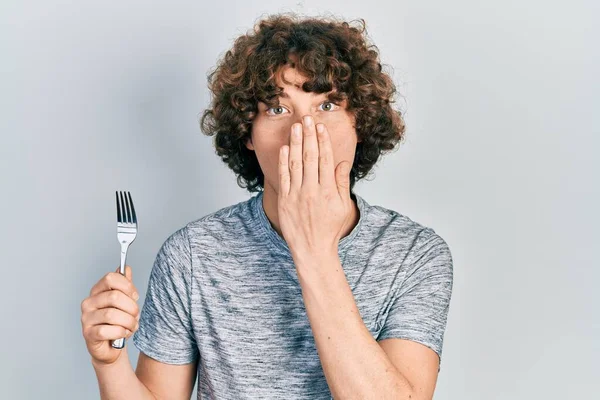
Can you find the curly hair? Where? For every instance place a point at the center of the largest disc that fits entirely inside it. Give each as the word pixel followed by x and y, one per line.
pixel 334 57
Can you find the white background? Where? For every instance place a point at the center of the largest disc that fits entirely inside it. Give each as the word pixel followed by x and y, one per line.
pixel 499 158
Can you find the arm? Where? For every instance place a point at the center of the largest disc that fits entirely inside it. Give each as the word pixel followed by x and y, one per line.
pixel 152 380
pixel 408 354
pixel 166 381
pixel 167 363
pixel 355 365
pixel 411 337
pixel 118 381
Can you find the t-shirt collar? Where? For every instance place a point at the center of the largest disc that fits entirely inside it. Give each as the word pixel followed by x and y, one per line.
pixel 280 244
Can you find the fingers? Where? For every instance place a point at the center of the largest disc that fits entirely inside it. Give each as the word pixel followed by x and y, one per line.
pixel 295 158
pixel 116 281
pixel 284 172
pixel 107 332
pixel 111 316
pixel 128 272
pixel 110 299
pixel 326 170
pixel 309 159
pixel 310 155
pixel 343 179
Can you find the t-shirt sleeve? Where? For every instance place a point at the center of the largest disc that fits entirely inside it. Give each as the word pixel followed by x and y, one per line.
pixel 165 327
pixel 420 308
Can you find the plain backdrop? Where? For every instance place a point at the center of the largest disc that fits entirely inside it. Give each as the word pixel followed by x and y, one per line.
pixel 500 159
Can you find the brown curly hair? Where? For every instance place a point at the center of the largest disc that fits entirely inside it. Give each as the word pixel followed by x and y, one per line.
pixel 333 55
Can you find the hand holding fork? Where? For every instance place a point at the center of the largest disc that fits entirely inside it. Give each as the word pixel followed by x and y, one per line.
pixel 126 233
pixel 110 312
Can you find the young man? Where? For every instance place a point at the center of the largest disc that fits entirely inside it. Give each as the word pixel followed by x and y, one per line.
pixel 304 291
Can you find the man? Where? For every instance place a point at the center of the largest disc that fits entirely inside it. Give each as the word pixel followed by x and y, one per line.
pixel 304 291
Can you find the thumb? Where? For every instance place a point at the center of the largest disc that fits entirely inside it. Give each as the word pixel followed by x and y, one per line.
pixel 342 177
pixel 128 272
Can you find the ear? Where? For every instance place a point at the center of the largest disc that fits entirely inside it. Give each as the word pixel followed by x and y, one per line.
pixel 249 144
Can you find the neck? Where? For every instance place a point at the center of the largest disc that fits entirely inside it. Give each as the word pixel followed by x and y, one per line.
pixel 269 204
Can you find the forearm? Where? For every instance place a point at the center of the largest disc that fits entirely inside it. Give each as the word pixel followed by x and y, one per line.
pixel 355 366
pixel 119 381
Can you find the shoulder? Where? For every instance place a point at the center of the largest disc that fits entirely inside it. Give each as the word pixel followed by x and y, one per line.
pixel 406 231
pixel 223 217
pixel 210 231
pixel 407 237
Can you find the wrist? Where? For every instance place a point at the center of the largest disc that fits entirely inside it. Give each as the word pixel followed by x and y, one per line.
pixel 101 365
pixel 316 260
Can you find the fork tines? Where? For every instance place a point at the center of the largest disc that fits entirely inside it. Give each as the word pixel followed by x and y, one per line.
pixel 125 209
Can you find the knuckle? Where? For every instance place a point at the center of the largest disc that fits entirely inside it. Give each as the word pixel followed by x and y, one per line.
pixel 108 314
pixel 295 165
pixel 309 157
pixel 309 198
pixel 101 331
pixel 113 296
pixel 84 304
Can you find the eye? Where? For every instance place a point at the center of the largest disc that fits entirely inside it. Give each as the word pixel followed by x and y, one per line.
pixel 331 106
pixel 278 108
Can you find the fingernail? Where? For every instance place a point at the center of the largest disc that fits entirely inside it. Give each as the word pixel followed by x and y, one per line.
pixel 308 120
pixel 297 131
pixel 320 128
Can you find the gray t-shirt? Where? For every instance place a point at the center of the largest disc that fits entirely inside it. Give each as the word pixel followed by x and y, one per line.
pixel 224 291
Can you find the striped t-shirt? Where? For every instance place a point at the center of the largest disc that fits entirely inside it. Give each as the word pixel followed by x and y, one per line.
pixel 223 291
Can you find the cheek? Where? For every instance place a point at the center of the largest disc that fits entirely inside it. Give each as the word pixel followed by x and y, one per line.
pixel 267 141
pixel 339 125
pixel 341 129
pixel 343 144
pixel 268 135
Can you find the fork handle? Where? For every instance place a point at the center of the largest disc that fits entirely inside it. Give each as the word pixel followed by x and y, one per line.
pixel 120 343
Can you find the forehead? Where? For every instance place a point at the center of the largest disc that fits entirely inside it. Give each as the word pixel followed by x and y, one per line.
pixel 295 79
pixel 289 77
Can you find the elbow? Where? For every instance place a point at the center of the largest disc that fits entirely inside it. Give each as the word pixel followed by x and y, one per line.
pixel 402 392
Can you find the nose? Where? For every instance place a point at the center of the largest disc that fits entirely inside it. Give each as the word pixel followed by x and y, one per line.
pixel 301 117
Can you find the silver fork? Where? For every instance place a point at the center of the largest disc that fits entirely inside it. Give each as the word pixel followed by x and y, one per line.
pixel 126 233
